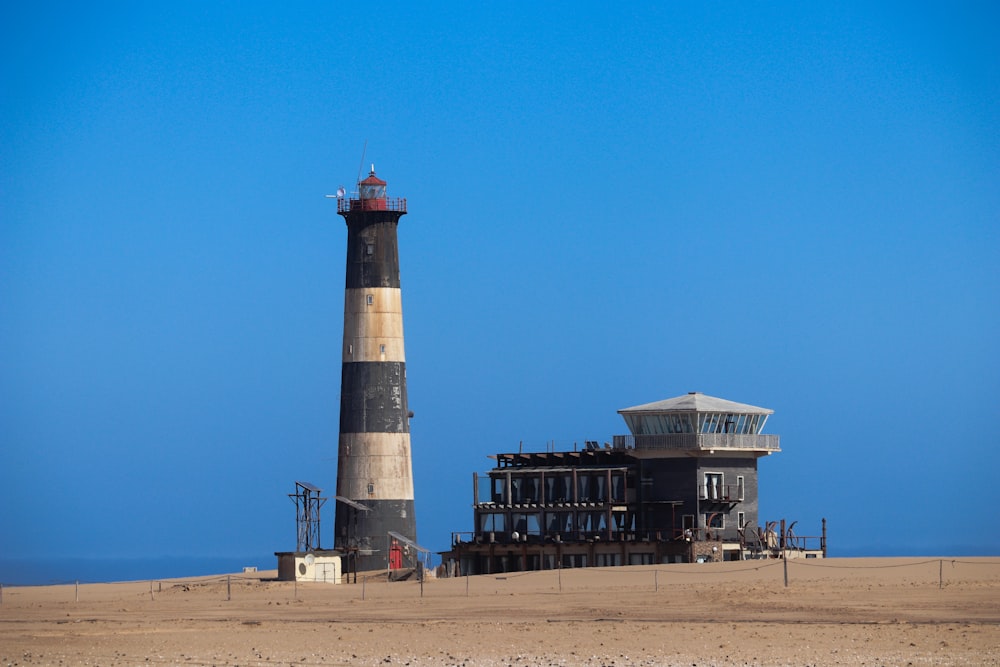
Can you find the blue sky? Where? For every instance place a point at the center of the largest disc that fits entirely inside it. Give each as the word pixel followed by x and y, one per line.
pixel 792 205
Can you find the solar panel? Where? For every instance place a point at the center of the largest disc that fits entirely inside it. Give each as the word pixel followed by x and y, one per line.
pixel 408 542
pixel 353 503
pixel 310 487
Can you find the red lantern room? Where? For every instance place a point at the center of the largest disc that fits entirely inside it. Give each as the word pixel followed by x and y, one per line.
pixel 371 193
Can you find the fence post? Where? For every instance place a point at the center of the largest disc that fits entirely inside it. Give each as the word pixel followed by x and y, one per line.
pixel 466 584
pixel 656 583
pixel 364 580
pixel 940 574
pixel 150 590
pixel 1 595
pixel 822 540
pixel 784 554
pixel 229 589
pixel 77 590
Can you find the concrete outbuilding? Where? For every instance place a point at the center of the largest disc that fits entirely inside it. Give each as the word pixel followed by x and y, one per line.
pixel 318 566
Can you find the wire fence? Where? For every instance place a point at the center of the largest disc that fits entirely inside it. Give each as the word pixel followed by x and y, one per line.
pixel 949 571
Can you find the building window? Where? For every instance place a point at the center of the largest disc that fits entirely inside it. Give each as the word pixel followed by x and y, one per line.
pixel 371 299
pixel 381 349
pixel 370 248
pixel 741 520
pixel 739 488
pixel 492 522
pixel 499 489
pixel 617 487
pixel 714 520
pixel 559 522
pixel 608 560
pixel 713 489
pixel 622 523
pixel 371 488
pixel 526 524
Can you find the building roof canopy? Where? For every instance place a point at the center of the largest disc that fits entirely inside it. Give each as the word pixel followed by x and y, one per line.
pixel 695 401
pixel 695 413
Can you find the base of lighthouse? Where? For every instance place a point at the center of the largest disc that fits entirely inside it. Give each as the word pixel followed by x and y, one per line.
pixel 366 534
pixel 374 471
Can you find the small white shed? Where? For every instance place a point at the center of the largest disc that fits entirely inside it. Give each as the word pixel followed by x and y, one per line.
pixel 320 565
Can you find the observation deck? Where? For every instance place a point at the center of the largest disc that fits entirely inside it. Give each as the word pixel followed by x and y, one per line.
pixel 397 204
pixel 699 442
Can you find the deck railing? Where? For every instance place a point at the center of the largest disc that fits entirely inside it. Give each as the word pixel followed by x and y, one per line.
pixel 699 441
pixel 720 492
pixel 345 205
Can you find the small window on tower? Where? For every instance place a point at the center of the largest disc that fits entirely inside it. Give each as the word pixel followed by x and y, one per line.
pixel 371 299
pixel 370 248
pixel 381 349
pixel 371 488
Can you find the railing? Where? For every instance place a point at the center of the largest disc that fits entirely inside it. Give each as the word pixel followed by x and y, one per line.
pixel 804 542
pixel 462 536
pixel 345 205
pixel 724 492
pixel 758 541
pixel 552 505
pixel 699 441
pixel 772 541
pixel 506 537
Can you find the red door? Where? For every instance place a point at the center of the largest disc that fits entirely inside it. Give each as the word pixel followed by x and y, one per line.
pixel 395 556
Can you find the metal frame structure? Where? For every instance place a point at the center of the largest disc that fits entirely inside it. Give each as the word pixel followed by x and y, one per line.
pixel 351 548
pixel 307 504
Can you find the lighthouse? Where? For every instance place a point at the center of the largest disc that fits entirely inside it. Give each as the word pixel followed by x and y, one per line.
pixel 374 466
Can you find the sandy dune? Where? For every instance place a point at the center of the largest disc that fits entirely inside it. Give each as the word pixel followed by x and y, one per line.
pixel 834 612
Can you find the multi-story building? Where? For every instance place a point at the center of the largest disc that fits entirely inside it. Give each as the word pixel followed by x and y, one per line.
pixel 681 486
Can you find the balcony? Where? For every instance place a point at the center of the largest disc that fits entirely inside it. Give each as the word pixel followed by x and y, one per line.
pixel 700 442
pixel 345 205
pixel 723 493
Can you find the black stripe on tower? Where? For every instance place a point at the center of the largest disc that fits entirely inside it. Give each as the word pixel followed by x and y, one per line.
pixel 373 397
pixel 372 529
pixel 372 249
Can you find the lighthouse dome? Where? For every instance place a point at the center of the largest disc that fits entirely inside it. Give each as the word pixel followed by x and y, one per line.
pixel 372 187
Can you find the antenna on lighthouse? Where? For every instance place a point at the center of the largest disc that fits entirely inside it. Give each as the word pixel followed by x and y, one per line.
pixel 362 165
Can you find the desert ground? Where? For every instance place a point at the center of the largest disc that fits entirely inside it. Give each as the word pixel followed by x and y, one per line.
pixel 901 611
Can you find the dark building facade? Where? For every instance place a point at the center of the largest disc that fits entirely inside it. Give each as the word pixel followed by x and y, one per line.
pixel 681 486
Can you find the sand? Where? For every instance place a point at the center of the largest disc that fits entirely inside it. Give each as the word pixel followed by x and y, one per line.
pixel 913 611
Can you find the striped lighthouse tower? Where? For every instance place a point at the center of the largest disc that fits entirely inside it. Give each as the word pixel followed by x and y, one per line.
pixel 374 467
